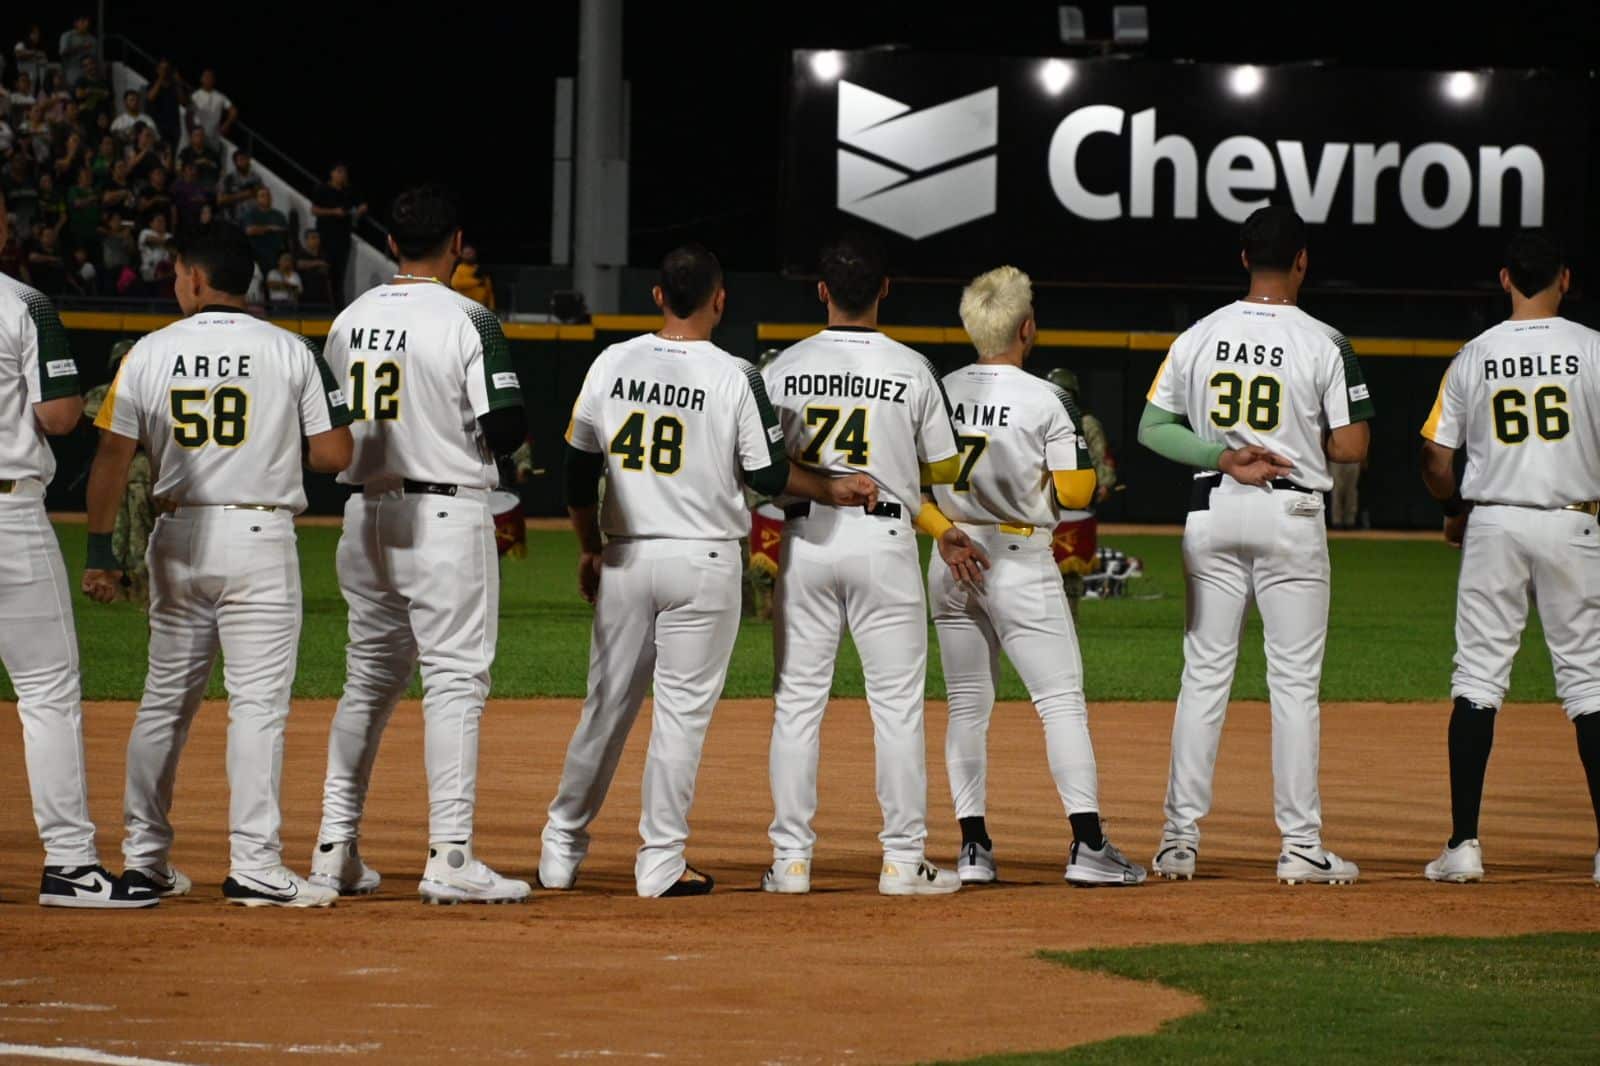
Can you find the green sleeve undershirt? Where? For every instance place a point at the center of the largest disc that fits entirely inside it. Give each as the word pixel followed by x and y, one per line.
pixel 1168 436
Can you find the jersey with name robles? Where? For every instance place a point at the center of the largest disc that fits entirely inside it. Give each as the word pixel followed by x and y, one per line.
pixel 1013 429
pixel 1265 374
pixel 853 401
pixel 1524 397
pixel 420 364
pixel 221 400
pixel 678 423
pixel 35 366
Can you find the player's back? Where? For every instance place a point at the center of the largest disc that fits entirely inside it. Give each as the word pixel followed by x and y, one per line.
pixel 35 366
pixel 1266 374
pixel 221 401
pixel 419 363
pixel 1013 429
pixel 1524 399
pixel 853 401
pixel 677 422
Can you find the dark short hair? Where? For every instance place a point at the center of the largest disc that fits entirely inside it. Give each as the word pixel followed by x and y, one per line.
pixel 1272 237
pixel 1534 261
pixel 422 220
pixel 689 277
pixel 130 92
pixel 853 266
pixel 222 253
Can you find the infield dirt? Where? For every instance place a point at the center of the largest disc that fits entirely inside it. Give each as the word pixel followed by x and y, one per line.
pixel 843 975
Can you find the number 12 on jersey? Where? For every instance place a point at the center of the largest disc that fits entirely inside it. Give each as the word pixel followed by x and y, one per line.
pixel 384 381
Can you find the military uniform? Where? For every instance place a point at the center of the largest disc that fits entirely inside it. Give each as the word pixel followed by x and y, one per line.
pixel 136 517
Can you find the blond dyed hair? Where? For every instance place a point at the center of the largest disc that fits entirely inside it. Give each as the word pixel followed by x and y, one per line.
pixel 993 308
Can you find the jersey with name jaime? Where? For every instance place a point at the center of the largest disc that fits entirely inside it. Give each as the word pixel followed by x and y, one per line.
pixel 1265 374
pixel 678 423
pixel 35 366
pixel 420 364
pixel 221 400
pixel 853 401
pixel 1524 397
pixel 1013 429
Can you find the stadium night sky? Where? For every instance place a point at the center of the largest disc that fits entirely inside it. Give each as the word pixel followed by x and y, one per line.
pixel 464 93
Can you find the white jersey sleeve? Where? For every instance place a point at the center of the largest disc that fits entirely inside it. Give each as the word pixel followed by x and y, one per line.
pixel 36 366
pixel 1169 390
pixel 1446 423
pixel 491 378
pixel 760 435
pixel 322 404
pixel 1065 447
pixel 936 434
pixel 581 432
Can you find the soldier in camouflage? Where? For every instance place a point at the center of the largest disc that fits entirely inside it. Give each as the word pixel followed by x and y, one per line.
pixel 137 515
pixel 1075 565
pixel 761 563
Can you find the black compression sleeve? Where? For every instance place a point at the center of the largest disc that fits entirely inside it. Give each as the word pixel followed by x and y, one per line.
pixel 769 480
pixel 583 477
pixel 505 429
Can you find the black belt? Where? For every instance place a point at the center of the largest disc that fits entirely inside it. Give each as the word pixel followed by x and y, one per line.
pixel 1200 495
pixel 430 488
pixel 884 509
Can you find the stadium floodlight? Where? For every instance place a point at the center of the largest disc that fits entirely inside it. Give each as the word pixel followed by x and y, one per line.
pixel 1071 20
pixel 1056 75
pixel 1461 86
pixel 1245 81
pixel 1130 24
pixel 826 66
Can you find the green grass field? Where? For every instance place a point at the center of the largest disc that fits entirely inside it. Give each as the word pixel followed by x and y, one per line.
pixel 1526 999
pixel 1391 633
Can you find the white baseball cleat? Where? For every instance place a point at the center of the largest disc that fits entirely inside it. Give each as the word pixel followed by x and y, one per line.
pixel 1457 865
pixel 552 875
pixel 338 865
pixel 787 877
pixel 166 880
pixel 1174 860
pixel 975 865
pixel 1315 866
pixel 276 886
pixel 454 876
pixel 1090 868
pixel 923 879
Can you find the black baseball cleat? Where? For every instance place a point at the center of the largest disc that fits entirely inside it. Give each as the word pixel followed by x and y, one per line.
pixel 92 888
pixel 692 883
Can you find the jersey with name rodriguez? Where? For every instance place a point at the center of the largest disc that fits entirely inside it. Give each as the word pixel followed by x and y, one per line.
pixel 1524 397
pixel 420 363
pixel 678 422
pixel 853 401
pixel 221 400
pixel 1265 374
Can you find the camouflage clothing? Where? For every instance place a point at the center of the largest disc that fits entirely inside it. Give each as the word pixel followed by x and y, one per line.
pixel 136 517
pixel 1094 438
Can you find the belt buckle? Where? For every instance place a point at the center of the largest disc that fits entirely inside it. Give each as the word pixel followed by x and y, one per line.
pixel 1016 531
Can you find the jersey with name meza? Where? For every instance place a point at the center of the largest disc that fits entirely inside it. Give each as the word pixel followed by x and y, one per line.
pixel 420 364
pixel 220 401
pixel 678 423
pixel 1013 429
pixel 1524 397
pixel 853 401
pixel 1265 374
pixel 36 366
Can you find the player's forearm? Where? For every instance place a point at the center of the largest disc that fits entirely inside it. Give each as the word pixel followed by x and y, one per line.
pixel 108 482
pixel 586 524
pixel 1165 434
pixel 583 471
pixel 1348 444
pixel 1438 470
pixel 931 520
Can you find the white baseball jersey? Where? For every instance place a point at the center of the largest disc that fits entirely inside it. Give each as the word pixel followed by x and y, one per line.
pixel 35 365
pixel 420 364
pixel 1265 374
pixel 853 401
pixel 1013 429
pixel 220 400
pixel 678 422
pixel 1524 397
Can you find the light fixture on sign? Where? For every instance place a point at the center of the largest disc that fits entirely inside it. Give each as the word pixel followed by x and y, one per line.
pixel 1245 81
pixel 826 66
pixel 1056 74
pixel 1461 86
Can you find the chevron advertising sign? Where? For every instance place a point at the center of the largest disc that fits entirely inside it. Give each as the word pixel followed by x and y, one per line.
pixel 1135 172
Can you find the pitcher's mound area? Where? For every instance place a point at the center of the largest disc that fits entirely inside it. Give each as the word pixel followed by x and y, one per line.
pixel 840 976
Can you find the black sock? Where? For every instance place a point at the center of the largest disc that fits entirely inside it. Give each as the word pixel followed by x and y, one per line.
pixel 1086 830
pixel 1471 737
pixel 973 831
pixel 1589 751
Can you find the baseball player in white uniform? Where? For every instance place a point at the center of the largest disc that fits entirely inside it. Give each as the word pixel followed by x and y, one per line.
pixel 38 642
pixel 1023 459
pixel 677 426
pixel 851 400
pixel 1524 399
pixel 1271 396
pixel 435 398
pixel 220 402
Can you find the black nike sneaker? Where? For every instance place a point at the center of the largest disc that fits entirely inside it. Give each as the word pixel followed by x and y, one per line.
pixel 692 883
pixel 276 887
pixel 91 888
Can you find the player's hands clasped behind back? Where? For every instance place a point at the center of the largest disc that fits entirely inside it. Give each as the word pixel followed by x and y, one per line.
pixel 966 560
pixel 853 490
pixel 589 564
pixel 102 586
pixel 1253 465
pixel 1455 529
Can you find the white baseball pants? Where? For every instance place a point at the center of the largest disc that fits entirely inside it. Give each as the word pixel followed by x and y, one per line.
pixel 1508 552
pixel 421 579
pixel 1022 610
pixel 843 568
pixel 220 579
pixel 1269 545
pixel 667 611
pixel 39 648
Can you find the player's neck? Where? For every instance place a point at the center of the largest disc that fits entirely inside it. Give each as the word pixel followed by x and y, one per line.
pixel 1541 306
pixel 212 300
pixel 693 328
pixel 1012 356
pixel 867 319
pixel 422 271
pixel 1272 288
